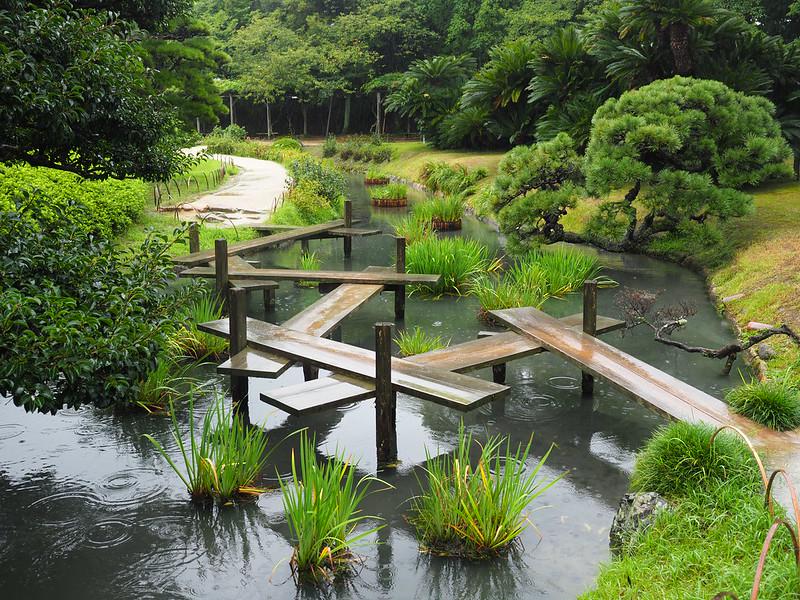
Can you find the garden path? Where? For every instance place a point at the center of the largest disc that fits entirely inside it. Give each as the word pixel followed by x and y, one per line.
pixel 250 196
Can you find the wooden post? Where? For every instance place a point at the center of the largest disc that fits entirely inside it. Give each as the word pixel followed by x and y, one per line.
pixel 237 319
pixel 499 373
pixel 194 238
pixel 589 326
pixel 304 246
pixel 385 397
pixel 400 290
pixel 310 372
pixel 221 270
pixel 269 301
pixel 348 222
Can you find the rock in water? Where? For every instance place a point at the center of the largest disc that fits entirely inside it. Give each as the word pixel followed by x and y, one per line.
pixel 636 513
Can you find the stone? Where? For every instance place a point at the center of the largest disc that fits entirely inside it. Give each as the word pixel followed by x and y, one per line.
pixel 766 352
pixel 636 513
pixel 756 326
pixel 727 299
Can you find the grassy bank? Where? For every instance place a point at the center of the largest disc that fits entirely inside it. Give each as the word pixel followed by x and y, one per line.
pixel 409 158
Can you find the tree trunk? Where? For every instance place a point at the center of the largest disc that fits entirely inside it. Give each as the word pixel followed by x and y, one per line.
pixel 346 123
pixel 304 108
pixel 632 194
pixel 378 114
pixel 230 104
pixel 679 43
pixel 269 123
pixel 330 110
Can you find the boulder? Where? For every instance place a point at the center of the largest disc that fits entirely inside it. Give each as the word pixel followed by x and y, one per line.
pixel 636 513
pixel 766 352
pixel 727 299
pixel 756 326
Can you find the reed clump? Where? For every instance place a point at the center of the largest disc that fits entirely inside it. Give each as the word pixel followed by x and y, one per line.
pixel 477 508
pixel 417 341
pixel 188 340
pixel 458 260
pixel 322 506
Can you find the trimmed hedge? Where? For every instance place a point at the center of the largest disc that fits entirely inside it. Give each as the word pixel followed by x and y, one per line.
pixel 104 208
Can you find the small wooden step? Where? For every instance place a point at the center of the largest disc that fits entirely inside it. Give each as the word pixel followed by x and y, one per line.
pixel 252 285
pixel 353 232
pixel 255 363
pixel 319 394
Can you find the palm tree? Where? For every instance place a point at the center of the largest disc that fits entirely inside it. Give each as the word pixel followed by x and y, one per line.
pixel 673 20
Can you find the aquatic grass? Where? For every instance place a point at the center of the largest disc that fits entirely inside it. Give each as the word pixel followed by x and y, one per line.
pixel 774 403
pixel 391 191
pixel 450 179
pixel 321 503
pixel 220 461
pixel 498 292
pixel 680 459
pixel 374 175
pixel 309 261
pixel 458 260
pixel 417 341
pixel 188 340
pixel 477 509
pixel 169 381
pixel 413 229
pixel 448 209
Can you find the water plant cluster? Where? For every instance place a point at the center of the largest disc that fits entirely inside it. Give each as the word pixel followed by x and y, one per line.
pixel 458 260
pixel 376 176
pixel 442 213
pixel 417 341
pixel 442 177
pixel 389 195
pixel 774 402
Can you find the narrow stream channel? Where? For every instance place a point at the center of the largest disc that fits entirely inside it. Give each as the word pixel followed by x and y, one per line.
pixel 89 510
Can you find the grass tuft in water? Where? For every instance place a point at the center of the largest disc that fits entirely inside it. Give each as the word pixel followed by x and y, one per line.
pixel 459 260
pixel 390 191
pixel 416 341
pixel 321 503
pixel 309 261
pixel 477 508
pixel 220 461
pixel 188 340
pixel 774 403
pixel 413 229
pixel 679 459
pixel 166 383
pixel 449 209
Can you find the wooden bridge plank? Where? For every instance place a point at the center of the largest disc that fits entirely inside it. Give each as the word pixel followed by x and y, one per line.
pixel 362 277
pixel 656 389
pixel 499 348
pixel 255 363
pixel 328 312
pixel 444 387
pixel 199 258
pixel 319 394
pixel 353 232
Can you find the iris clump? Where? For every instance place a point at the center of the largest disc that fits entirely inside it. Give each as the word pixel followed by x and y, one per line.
pixel 680 459
pixel 391 191
pixel 774 403
pixel 322 506
pixel 417 341
pixel 220 461
pixel 451 179
pixel 188 340
pixel 458 260
pixel 477 508
pixel 441 209
pixel 413 229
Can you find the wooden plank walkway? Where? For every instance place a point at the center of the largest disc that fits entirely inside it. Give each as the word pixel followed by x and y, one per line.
pixel 500 348
pixel 643 382
pixel 237 262
pixel 205 256
pixel 319 394
pixel 443 387
pixel 362 277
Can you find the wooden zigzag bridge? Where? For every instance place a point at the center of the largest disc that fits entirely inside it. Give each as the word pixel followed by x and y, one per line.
pixel 264 350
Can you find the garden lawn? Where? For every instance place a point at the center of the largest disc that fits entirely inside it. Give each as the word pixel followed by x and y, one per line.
pixel 409 158
pixel 201 174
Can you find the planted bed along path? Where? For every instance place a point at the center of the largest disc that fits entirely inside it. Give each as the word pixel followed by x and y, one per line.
pixel 83 488
pixel 246 199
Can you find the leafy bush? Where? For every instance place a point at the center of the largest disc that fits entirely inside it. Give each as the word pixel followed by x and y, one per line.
pixel 329 147
pixel 416 341
pixel 477 509
pixel 321 503
pixel 451 179
pixel 458 260
pixel 332 183
pixel 223 461
pixel 305 204
pixel 679 459
pixel 80 320
pixel 49 196
pixel 774 403
pixel 365 149
pixel 392 191
pixel 287 143
pixel 232 132
pixel 449 209
pixel 253 149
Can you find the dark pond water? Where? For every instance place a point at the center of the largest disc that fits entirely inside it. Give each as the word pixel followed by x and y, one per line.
pixel 89 510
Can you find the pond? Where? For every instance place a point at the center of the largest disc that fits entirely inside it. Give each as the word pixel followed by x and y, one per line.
pixel 89 510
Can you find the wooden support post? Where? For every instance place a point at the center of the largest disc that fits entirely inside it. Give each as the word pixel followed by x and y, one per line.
pixel 589 326
pixel 499 373
pixel 269 301
pixel 237 319
pixel 194 238
pixel 304 246
pixel 348 222
pixel 385 397
pixel 221 270
pixel 400 290
pixel 310 372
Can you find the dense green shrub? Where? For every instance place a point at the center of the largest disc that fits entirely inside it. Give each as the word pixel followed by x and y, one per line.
pixel 774 403
pixel 80 320
pixel 332 183
pixel 679 459
pixel 231 132
pixel 365 149
pixel 49 196
pixel 305 204
pixel 329 148
pixel 287 143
